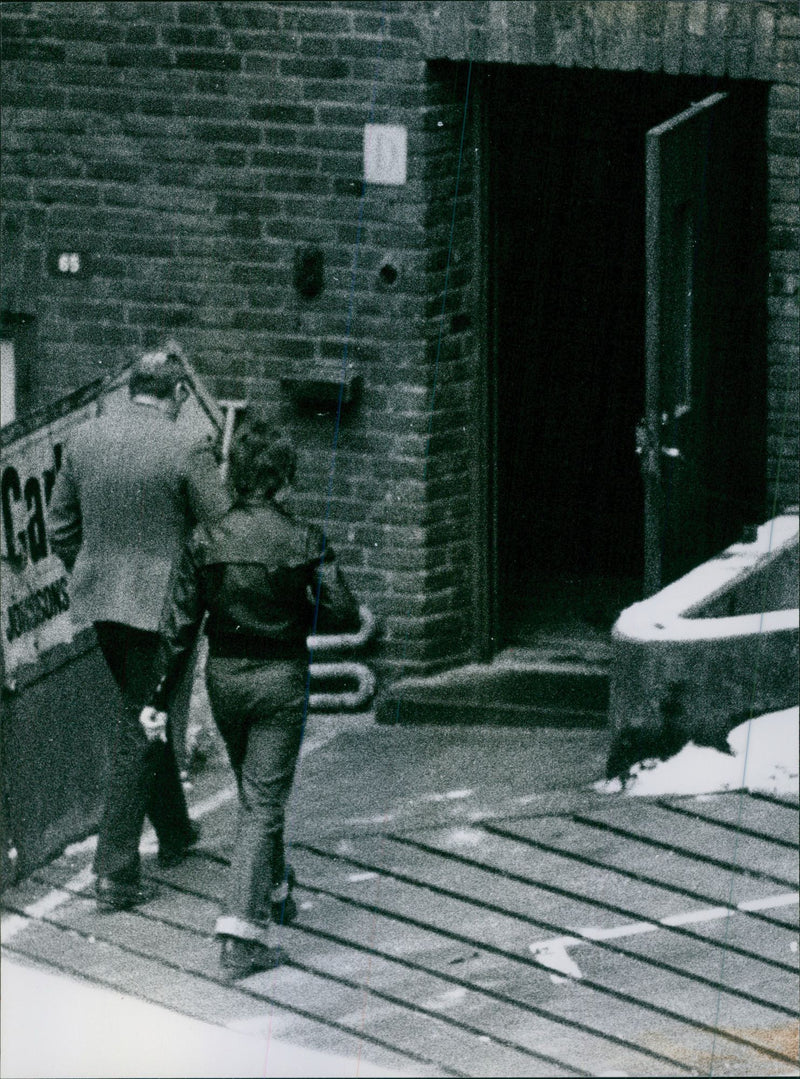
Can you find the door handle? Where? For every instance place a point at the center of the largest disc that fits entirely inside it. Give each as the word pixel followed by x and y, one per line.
pixel 643 437
pixel 647 447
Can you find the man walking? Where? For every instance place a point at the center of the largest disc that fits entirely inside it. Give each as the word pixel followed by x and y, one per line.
pixel 131 488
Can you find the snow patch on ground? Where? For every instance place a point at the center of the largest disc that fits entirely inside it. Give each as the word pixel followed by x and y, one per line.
pixel 764 757
pixel 449 796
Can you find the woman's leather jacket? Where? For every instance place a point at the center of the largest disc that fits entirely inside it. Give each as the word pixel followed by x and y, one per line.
pixel 266 581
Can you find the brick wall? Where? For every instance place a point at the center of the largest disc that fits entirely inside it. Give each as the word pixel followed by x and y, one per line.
pixel 783 148
pixel 194 149
pixel 191 150
pixel 451 357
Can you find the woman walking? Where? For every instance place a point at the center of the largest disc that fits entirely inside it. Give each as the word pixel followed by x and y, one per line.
pixel 266 581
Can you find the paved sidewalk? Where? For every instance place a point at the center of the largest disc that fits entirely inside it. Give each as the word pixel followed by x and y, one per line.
pixel 354 777
pixel 469 905
pixel 91 1031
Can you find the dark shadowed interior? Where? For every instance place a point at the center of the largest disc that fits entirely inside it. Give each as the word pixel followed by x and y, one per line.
pixel 566 153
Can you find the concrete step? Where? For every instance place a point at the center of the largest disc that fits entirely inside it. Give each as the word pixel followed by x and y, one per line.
pixel 521 687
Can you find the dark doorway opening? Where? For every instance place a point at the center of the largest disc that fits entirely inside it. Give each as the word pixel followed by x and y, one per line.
pixel 566 204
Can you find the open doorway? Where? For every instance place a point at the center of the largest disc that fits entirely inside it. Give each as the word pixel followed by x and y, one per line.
pixel 566 214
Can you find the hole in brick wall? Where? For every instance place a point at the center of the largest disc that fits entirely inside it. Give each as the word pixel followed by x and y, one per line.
pixel 388 274
pixel 174 317
pixel 309 272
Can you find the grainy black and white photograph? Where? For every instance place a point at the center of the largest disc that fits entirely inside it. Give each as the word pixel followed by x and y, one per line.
pixel 399 555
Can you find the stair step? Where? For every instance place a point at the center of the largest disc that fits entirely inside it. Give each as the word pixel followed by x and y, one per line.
pixel 393 710
pixel 518 692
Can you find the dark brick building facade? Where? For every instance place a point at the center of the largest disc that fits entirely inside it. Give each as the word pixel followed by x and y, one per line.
pixel 205 160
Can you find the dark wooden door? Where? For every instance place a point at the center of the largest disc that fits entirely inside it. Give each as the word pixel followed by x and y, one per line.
pixel 682 270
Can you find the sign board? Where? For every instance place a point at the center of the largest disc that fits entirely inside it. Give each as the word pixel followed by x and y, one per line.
pixel 35 613
pixel 385 153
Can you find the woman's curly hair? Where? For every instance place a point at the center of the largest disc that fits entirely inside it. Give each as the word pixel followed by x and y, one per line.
pixel 262 457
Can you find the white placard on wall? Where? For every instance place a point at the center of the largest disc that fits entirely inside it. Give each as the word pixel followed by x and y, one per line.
pixel 385 151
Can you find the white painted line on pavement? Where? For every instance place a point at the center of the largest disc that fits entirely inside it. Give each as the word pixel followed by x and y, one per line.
pixel 710 914
pixel 786 900
pixel 631 929
pixel 85 845
pixel 553 952
pixel 10 926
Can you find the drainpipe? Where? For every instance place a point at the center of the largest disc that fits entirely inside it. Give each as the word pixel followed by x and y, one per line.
pixel 347 670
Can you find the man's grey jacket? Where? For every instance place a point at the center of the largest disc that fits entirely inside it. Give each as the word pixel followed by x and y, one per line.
pixel 131 487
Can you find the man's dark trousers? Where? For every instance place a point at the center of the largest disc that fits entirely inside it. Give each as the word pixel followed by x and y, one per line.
pixel 144 779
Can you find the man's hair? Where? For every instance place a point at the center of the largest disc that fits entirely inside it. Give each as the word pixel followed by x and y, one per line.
pixel 262 457
pixel 157 373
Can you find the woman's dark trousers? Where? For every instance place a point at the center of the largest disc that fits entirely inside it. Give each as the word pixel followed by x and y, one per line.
pixel 258 708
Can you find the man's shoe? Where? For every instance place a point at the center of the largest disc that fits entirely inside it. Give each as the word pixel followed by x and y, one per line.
pixel 283 909
pixel 172 854
pixel 239 957
pixel 120 895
